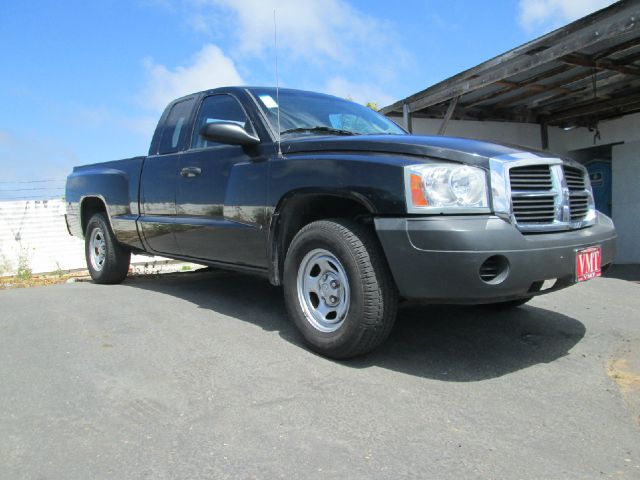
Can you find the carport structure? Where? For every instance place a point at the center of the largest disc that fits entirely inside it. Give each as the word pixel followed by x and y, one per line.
pixel 574 91
pixel 578 75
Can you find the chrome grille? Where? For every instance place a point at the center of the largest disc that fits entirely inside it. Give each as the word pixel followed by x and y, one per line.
pixel 546 195
pixel 538 209
pixel 575 178
pixel 528 207
pixel 531 177
pixel 579 206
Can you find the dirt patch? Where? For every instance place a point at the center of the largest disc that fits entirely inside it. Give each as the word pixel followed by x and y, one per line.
pixel 142 270
pixel 625 372
pixel 41 280
pixel 621 373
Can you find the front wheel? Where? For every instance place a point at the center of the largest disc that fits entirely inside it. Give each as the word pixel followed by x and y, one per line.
pixel 338 288
pixel 107 260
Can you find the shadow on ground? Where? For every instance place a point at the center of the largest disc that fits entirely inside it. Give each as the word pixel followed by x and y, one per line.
pixel 449 343
pixel 628 272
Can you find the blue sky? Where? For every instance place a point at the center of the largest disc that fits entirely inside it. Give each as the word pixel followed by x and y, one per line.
pixel 85 81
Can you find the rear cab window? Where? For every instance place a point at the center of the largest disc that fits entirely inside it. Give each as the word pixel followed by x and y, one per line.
pixel 174 131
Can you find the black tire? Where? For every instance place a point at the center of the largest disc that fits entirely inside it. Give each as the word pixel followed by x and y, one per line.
pixel 507 305
pixel 372 294
pixel 116 258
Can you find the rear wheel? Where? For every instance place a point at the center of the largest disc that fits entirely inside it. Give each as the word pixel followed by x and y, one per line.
pixel 107 260
pixel 338 288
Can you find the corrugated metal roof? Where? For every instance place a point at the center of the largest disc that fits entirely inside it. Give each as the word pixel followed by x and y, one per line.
pixel 579 74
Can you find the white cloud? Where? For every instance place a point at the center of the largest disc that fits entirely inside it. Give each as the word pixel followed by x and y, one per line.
pixel 209 68
pixel 330 29
pixel 550 14
pixel 326 44
pixel 199 23
pixel 358 92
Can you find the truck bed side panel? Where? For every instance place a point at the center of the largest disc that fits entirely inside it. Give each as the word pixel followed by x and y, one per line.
pixel 116 184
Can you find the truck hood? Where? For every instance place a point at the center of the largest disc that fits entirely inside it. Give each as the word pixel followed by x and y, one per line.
pixel 465 150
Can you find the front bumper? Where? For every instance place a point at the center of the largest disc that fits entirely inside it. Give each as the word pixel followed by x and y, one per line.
pixel 438 259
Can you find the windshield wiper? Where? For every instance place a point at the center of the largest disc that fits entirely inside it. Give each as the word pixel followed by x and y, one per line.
pixel 329 130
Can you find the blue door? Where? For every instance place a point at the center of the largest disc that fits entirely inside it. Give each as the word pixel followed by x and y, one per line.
pixel 600 177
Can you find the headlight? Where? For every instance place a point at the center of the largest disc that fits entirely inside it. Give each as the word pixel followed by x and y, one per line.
pixel 446 188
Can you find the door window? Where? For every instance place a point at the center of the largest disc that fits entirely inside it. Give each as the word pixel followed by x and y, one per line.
pixel 218 108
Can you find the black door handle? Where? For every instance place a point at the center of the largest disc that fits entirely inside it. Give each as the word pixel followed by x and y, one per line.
pixel 190 172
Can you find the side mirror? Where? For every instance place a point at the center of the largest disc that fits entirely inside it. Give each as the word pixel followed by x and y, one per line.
pixel 229 133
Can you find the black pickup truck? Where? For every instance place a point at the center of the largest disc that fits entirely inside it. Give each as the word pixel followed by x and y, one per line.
pixel 343 208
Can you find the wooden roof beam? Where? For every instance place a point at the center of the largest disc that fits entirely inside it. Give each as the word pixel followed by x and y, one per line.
pixel 621 18
pixel 593 108
pixel 549 73
pixel 605 89
pixel 601 64
pixel 557 87
pixel 621 47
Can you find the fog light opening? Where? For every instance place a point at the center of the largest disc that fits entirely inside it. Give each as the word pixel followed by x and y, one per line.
pixel 548 284
pixel 494 269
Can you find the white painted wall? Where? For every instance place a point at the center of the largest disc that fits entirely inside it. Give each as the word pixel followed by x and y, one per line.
pixel 525 134
pixel 626 200
pixel 36 231
pixel 624 129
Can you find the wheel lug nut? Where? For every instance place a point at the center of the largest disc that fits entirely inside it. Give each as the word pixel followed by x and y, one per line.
pixel 333 299
pixel 334 284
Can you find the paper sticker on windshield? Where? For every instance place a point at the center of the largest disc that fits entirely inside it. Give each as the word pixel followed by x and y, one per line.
pixel 268 101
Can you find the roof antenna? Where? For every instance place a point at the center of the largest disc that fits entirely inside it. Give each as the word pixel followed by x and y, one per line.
pixel 275 48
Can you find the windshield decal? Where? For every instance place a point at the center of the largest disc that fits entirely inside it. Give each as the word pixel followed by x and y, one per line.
pixel 268 101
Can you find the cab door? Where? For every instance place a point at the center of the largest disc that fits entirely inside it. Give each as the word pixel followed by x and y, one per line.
pixel 158 181
pixel 220 200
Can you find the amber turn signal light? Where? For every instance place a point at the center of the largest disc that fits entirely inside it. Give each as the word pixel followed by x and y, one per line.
pixel 417 194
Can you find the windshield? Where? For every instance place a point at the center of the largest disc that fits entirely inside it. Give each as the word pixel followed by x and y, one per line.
pixel 308 113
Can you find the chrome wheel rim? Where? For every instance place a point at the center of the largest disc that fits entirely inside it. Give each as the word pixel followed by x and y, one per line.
pixel 323 290
pixel 97 249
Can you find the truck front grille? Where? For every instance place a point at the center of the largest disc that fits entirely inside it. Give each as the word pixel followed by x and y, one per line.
pixel 549 195
pixel 531 177
pixel 575 179
pixel 579 207
pixel 578 199
pixel 534 209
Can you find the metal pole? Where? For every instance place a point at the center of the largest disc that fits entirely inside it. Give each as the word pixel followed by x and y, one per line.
pixel 406 117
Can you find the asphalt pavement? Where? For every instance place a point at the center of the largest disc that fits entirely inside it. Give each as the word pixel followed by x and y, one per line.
pixel 201 375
